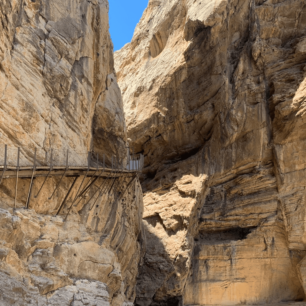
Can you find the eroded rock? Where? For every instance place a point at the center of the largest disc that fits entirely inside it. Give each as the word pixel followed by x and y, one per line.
pixel 46 255
pixel 58 89
pixel 214 92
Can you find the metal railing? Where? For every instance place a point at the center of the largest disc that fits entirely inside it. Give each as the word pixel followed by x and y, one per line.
pixel 24 163
pixel 23 157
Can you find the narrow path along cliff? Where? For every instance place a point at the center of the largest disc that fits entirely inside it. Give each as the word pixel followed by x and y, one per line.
pixel 170 173
pixel 70 198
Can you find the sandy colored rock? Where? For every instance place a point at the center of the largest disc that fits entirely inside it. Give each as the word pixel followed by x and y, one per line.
pixel 58 89
pixel 214 91
pixel 47 255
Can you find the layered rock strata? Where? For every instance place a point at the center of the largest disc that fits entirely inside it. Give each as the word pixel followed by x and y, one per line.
pixel 214 95
pixel 58 89
pixel 87 257
pixel 58 92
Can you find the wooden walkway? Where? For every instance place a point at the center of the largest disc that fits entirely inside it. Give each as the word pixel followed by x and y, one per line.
pixel 109 179
pixel 27 172
pixel 134 165
pixel 110 182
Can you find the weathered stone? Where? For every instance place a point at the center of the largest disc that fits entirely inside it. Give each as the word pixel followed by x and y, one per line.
pixel 58 91
pixel 47 254
pixel 214 96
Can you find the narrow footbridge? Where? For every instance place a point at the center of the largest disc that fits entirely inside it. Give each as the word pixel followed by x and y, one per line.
pixel 94 171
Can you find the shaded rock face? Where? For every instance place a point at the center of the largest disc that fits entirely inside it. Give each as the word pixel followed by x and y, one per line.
pixel 214 95
pixel 58 89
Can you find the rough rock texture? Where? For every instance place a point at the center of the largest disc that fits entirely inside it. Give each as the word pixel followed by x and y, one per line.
pixel 214 94
pixel 57 84
pixel 90 257
pixel 58 91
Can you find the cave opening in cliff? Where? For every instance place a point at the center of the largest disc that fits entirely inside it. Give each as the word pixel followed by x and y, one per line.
pixel 230 234
pixel 171 301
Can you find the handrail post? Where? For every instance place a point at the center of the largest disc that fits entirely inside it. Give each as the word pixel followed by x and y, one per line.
pixel 132 159
pixel 67 159
pixel 51 160
pixel 5 163
pixel 17 170
pixel 137 163
pixel 5 156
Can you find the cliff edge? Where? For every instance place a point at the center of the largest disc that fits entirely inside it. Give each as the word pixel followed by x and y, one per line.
pixel 70 238
pixel 214 96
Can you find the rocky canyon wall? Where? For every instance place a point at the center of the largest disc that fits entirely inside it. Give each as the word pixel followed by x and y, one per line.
pixel 58 88
pixel 214 95
pixel 58 91
pixel 87 257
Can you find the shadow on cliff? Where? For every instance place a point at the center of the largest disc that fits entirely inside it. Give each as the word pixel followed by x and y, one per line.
pixel 156 270
pixel 174 199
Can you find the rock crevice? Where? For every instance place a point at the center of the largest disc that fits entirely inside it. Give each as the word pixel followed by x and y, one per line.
pixel 220 107
pixel 60 99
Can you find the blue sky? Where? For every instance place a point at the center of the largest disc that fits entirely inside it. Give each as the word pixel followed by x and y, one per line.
pixel 123 18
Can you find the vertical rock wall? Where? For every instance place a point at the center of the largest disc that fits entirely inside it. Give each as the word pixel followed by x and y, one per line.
pixel 87 257
pixel 58 91
pixel 214 95
pixel 58 88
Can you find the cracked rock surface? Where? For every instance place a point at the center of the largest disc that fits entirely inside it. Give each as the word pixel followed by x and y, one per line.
pixel 57 84
pixel 89 257
pixel 214 94
pixel 58 91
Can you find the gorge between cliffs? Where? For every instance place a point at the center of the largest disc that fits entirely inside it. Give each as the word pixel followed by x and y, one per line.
pixel 208 99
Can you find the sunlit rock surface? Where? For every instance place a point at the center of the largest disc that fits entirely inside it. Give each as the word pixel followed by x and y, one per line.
pixel 58 91
pixel 214 94
pixel 57 85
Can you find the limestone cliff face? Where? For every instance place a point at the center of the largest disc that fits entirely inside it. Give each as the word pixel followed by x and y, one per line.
pixel 89 258
pixel 58 91
pixel 214 94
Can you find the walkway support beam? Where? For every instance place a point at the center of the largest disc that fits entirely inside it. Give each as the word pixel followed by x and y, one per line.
pixel 32 178
pixel 67 195
pixel 17 173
